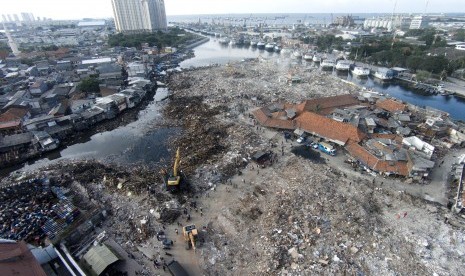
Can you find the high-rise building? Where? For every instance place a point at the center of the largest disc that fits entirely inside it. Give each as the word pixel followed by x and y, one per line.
pixel 139 15
pixel 419 22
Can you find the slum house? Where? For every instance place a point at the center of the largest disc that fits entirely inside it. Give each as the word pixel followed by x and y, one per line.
pixel 108 105
pixel 91 116
pixel 14 146
pixel 120 101
pixel 110 74
pixel 43 141
pixel 63 126
pixel 12 119
pixel 78 106
pixel 43 67
pixel 38 87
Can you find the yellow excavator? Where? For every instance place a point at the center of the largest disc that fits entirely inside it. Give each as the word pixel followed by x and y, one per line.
pixel 190 236
pixel 173 180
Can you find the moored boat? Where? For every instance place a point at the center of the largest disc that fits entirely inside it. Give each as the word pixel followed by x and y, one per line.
pixel 261 45
pixel 269 47
pixel 343 65
pixel 361 71
pixel 327 64
pixel 384 75
pixel 308 56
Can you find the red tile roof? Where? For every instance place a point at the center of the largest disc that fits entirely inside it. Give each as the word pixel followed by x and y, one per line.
pixel 376 164
pixel 17 259
pixel 391 105
pixel 13 114
pixel 328 128
pixel 326 105
pixel 262 117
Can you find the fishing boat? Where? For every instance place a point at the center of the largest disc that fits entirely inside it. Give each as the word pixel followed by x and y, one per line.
pixel 361 71
pixel 269 47
pixel 316 58
pixel 343 65
pixel 261 45
pixel 327 64
pixel 308 56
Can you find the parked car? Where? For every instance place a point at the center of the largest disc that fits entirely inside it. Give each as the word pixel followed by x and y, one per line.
pixel 301 139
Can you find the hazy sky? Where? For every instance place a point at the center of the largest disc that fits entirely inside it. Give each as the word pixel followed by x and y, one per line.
pixel 76 9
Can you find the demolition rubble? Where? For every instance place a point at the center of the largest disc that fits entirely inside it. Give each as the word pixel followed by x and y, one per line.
pixel 264 203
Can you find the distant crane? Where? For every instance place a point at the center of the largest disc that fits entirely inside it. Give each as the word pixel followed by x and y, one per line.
pixel 426 6
pixel 392 25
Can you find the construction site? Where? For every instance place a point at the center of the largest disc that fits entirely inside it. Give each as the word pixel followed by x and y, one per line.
pixel 266 177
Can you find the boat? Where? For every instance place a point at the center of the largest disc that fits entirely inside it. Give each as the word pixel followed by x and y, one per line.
pixel 247 42
pixel 233 42
pixel 269 47
pixel 261 45
pixel 316 58
pixel 296 54
pixel 327 64
pixel 223 40
pixel 383 75
pixel 277 48
pixel 361 71
pixel 286 51
pixel 343 65
pixel 253 43
pixel 308 56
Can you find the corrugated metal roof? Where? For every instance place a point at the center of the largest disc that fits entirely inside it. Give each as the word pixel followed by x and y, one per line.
pixel 99 258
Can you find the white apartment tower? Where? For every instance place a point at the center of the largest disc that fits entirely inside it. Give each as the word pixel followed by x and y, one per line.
pixel 139 15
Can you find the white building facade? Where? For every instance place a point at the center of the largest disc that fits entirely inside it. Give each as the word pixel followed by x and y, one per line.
pixel 139 15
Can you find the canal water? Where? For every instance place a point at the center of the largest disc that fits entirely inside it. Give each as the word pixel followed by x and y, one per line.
pixel 213 52
pixel 143 142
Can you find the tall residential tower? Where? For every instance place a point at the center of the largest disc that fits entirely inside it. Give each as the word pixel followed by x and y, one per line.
pixel 139 15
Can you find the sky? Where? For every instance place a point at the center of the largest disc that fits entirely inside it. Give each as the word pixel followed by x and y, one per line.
pixel 78 9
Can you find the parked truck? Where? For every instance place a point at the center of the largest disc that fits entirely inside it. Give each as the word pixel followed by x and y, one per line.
pixel 327 148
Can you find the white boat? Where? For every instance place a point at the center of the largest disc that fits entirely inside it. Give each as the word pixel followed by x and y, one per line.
pixel 327 64
pixel 316 58
pixel 384 76
pixel 253 43
pixel 277 48
pixel 269 47
pixel 223 40
pixel 261 45
pixel 343 65
pixel 296 54
pixel 361 71
pixel 286 51
pixel 233 42
pixel 308 56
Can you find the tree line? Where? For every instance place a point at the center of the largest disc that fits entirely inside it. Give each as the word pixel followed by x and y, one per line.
pixel 173 37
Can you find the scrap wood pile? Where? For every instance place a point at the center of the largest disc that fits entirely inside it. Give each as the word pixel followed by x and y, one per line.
pixel 203 136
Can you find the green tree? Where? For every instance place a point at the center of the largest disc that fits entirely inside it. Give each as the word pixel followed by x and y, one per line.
pixel 89 85
pixel 414 62
pixel 460 35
